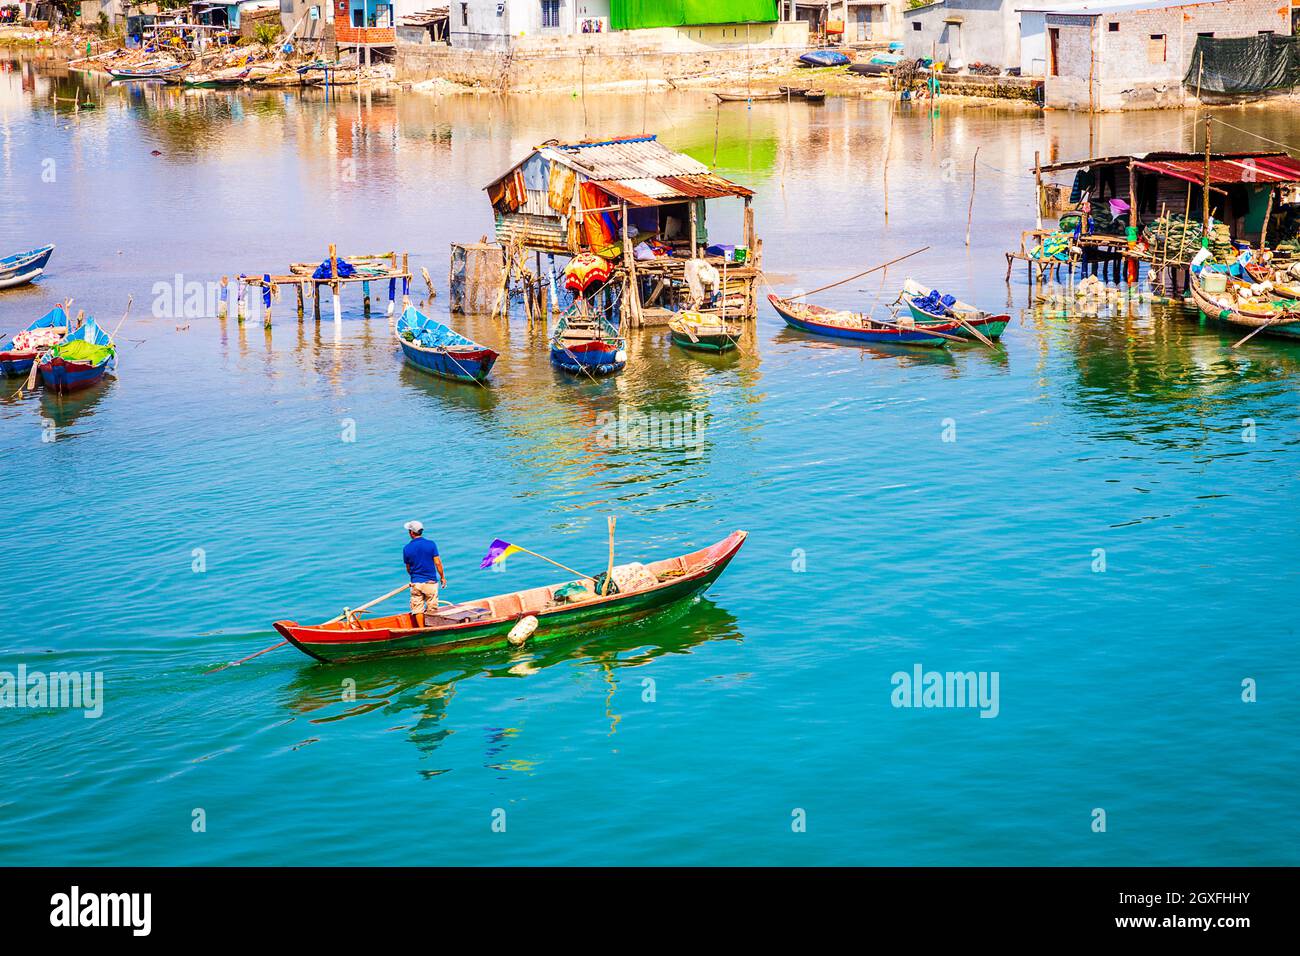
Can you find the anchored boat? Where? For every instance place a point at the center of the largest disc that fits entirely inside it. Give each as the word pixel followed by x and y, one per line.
pixel 147 72
pixel 860 328
pixel 488 623
pixel 1271 317
pixel 434 348
pixel 22 267
pixel 80 360
pixel 928 307
pixel 703 333
pixel 18 354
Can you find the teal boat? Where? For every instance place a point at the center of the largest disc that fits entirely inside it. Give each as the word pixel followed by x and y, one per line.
pixel 927 308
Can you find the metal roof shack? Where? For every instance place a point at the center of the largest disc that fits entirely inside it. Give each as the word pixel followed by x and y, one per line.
pixel 634 202
pixel 1225 168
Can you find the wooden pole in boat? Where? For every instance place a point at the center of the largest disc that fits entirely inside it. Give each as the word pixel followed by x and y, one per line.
pixel 883 265
pixel 609 572
pixel 1268 212
pixel 334 283
pixel 970 206
pixel 565 567
pixel 1038 193
pixel 1205 204
pixel 406 280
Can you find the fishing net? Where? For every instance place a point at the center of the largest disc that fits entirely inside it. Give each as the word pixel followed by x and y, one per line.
pixel 346 270
pixel 1244 64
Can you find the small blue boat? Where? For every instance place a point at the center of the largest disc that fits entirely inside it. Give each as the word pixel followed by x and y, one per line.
pixel 18 361
pixel 586 344
pixel 823 58
pixel 80 360
pixel 434 348
pixel 23 267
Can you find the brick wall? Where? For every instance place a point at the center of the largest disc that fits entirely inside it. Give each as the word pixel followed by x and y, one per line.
pixel 1130 70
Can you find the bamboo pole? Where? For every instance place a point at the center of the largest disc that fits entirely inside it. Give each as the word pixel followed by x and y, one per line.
pixel 970 206
pixel 609 572
pixel 883 265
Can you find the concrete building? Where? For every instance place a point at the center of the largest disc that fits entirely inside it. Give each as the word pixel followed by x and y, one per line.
pixel 961 33
pixel 863 21
pixel 1135 54
pixel 495 24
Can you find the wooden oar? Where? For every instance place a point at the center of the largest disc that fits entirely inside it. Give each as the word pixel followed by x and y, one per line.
pixel 333 620
pixel 917 328
pixel 971 329
pixel 1286 317
pixel 36 366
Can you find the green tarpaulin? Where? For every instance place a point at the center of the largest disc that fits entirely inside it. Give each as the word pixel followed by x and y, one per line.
pixel 643 14
pixel 1243 64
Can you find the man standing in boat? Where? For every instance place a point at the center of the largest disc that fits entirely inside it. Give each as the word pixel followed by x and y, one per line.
pixel 425 568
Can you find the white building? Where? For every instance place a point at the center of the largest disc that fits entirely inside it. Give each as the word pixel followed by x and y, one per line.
pixel 487 24
pixel 1016 34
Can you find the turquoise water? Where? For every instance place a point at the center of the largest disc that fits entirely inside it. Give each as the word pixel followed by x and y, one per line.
pixel 698 736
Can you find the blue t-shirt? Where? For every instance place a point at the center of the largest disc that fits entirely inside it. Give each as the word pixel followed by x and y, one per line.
pixel 419 555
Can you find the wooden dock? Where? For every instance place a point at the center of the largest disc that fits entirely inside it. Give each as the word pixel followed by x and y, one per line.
pixel 374 267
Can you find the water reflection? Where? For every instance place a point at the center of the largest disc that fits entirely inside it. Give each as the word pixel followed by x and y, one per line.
pixel 418 692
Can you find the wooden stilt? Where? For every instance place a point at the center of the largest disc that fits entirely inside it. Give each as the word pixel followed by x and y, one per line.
pixel 365 299
pixel 223 303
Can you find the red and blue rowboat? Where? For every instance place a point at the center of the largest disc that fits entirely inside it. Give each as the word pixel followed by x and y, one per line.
pixel 582 344
pixel 859 328
pixel 23 267
pixel 434 348
pixel 14 361
pixel 64 374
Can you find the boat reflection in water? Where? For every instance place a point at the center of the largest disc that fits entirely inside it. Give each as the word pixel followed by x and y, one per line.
pixel 417 691
pixel 64 411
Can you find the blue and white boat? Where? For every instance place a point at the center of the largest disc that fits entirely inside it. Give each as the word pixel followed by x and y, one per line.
pixel 23 267
pixel 434 348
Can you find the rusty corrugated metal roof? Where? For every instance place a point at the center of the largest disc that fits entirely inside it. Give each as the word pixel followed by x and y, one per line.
pixel 655 192
pixel 638 170
pixel 1249 169
pixel 1275 158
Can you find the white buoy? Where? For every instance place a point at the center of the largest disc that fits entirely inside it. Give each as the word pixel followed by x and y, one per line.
pixel 522 631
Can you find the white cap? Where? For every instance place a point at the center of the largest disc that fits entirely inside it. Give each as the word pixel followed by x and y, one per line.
pixel 414 526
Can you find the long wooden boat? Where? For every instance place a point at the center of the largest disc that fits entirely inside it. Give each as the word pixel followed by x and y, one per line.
pixel 16 356
pixel 486 623
pixel 434 348
pixel 215 81
pixel 758 97
pixel 583 344
pixel 855 326
pixel 1269 316
pixel 703 333
pixel 64 370
pixel 145 72
pixel 915 296
pixel 22 267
